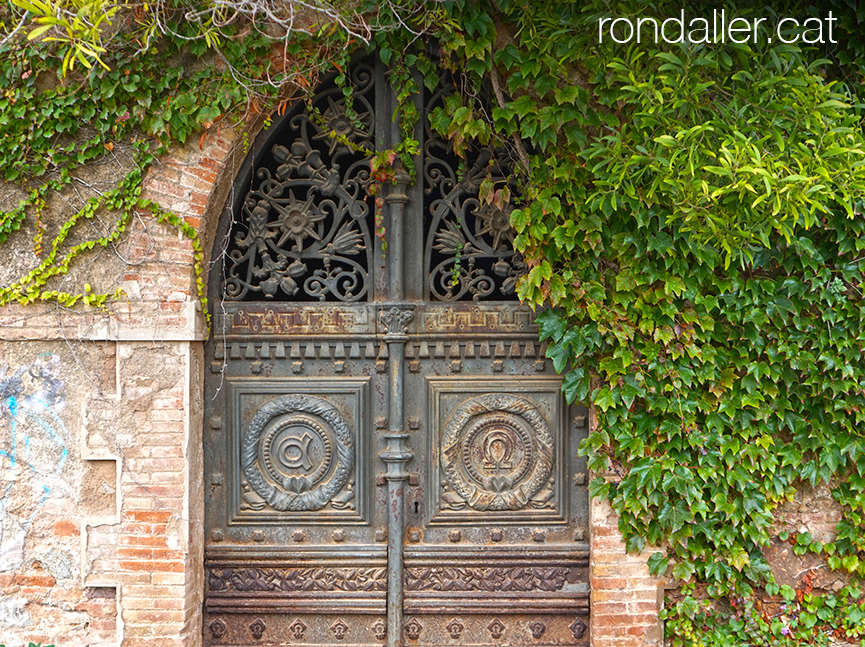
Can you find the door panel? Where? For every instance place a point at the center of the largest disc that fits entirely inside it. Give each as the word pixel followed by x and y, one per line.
pixel 495 453
pixel 299 450
pixel 296 548
pixel 495 508
pixel 494 549
pixel 354 390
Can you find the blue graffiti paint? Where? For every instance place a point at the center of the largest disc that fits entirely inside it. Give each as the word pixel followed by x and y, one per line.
pixel 12 406
pixel 13 414
pixel 50 431
pixel 40 408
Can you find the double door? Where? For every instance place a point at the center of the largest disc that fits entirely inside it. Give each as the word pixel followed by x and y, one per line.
pixel 389 459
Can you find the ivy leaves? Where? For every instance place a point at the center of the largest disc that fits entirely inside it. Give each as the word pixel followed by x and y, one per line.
pixel 692 217
pixel 736 152
pixel 707 391
pixel 50 126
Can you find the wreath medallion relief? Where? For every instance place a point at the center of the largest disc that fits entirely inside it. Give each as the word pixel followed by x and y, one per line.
pixel 298 453
pixel 497 455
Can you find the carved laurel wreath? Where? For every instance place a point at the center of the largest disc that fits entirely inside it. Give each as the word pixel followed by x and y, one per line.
pixel 318 497
pixel 539 448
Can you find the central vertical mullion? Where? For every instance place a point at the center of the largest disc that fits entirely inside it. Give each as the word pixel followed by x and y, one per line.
pixel 394 316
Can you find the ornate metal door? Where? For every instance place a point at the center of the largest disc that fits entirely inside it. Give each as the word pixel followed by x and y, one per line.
pixel 388 456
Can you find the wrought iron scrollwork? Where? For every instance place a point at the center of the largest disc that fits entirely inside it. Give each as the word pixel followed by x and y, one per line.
pixel 469 251
pixel 304 230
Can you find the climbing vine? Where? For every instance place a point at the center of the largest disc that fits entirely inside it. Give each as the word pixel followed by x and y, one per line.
pixel 703 255
pixel 691 216
pixel 54 121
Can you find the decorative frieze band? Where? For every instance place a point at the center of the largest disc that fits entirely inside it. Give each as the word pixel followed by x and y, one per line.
pixel 339 350
pixel 315 319
pixel 520 579
pixel 515 578
pixel 290 580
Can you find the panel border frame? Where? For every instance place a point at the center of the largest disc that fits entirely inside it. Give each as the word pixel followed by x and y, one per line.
pixel 521 386
pixel 321 387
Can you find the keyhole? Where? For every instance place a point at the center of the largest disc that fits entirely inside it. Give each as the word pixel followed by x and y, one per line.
pixel 416 507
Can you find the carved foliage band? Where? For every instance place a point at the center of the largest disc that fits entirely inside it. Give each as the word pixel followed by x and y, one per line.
pixel 296 579
pixel 520 579
pixel 297 452
pixel 497 453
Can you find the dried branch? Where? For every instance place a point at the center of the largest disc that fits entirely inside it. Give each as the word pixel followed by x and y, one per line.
pixel 18 28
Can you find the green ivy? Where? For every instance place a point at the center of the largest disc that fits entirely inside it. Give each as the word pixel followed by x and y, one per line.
pixel 693 217
pixel 51 124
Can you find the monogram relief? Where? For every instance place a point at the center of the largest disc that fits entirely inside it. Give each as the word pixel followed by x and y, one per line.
pixel 537 628
pixel 339 628
pixel 257 628
pixel 455 628
pixel 218 628
pixel 413 629
pixel 298 453
pixel 497 454
pixel 497 628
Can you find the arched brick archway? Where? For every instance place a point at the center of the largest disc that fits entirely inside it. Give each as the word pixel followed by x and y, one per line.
pixel 394 461
pixel 625 599
pixel 142 424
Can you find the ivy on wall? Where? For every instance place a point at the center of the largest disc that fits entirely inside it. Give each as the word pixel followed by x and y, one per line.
pixel 692 218
pixel 54 120
pixel 697 226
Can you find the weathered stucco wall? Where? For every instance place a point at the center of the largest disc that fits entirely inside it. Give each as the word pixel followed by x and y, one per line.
pixel 45 490
pixel 95 512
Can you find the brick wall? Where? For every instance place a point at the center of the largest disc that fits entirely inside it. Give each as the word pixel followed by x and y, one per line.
pixel 625 598
pixel 151 552
pixel 132 380
pixel 151 425
pixel 45 492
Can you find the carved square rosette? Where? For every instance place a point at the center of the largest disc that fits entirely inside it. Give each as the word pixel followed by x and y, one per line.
pixel 497 450
pixel 298 447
